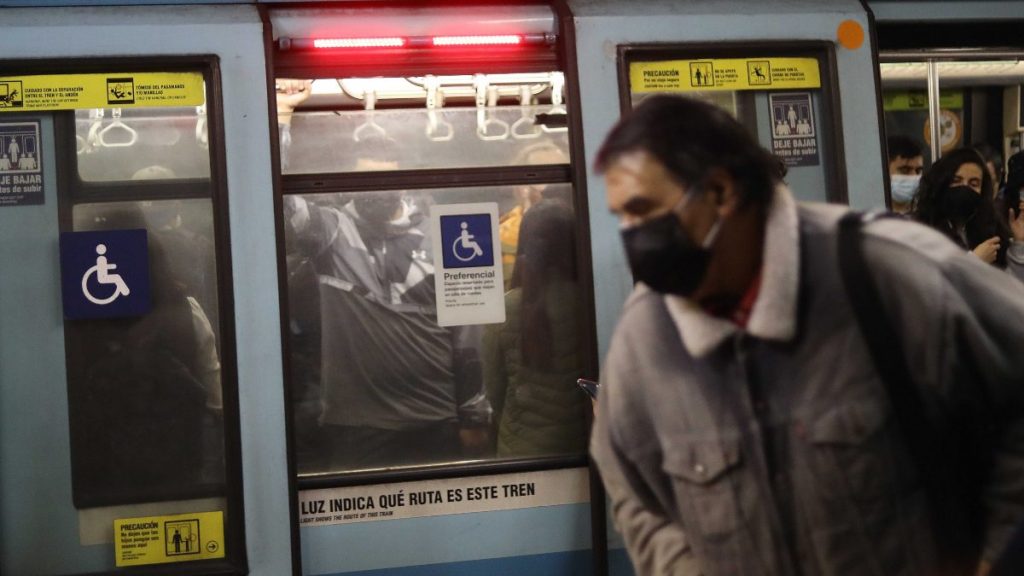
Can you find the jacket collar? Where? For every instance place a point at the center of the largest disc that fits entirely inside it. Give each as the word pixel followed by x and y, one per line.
pixel 774 314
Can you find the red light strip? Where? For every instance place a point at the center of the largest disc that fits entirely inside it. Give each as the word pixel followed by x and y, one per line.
pixel 359 42
pixel 505 40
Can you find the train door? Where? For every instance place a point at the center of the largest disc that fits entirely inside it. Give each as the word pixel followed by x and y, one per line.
pixel 119 365
pixel 950 80
pixel 799 75
pixel 437 289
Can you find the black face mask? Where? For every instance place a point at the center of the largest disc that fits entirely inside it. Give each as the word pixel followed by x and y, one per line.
pixel 662 255
pixel 960 203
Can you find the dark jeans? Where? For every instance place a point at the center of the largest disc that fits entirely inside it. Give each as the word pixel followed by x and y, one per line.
pixel 360 447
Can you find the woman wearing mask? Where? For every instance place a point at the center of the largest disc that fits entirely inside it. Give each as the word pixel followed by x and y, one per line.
pixel 956 198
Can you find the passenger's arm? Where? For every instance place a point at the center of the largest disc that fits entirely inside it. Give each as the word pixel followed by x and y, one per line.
pixel 290 93
pixel 655 543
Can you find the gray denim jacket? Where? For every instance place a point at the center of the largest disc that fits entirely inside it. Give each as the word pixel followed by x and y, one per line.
pixel 773 450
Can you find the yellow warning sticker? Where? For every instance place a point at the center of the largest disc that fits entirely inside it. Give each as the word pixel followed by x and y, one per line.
pixel 724 74
pixel 163 539
pixel 114 90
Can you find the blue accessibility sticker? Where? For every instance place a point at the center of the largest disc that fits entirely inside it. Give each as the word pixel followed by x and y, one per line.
pixel 105 274
pixel 467 241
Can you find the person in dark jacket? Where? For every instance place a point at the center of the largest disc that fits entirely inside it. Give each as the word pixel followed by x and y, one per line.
pixel 743 427
pixel 531 362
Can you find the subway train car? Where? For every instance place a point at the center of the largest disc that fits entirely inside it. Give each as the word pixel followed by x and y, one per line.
pixel 306 287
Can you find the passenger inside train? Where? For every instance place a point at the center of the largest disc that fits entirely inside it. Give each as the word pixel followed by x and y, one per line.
pixel 906 162
pixel 957 197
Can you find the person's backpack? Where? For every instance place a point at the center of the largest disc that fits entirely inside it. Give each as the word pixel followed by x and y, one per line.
pixel 951 452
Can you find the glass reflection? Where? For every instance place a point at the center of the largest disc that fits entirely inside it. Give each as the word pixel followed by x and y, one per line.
pixel 145 396
pixel 377 383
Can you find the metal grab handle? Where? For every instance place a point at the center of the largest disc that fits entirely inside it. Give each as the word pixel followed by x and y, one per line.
pixel 370 100
pixel 358 133
pixel 485 121
pixel 557 84
pixel 525 100
pixel 433 125
pixel 202 134
pixel 91 140
pixel 435 100
pixel 116 124
pixel 488 96
pixel 533 133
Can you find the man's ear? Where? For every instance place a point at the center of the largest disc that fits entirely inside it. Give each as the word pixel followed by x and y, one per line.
pixel 723 189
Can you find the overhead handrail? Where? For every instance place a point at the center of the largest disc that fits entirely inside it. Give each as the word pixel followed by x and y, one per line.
pixel 370 103
pixel 525 101
pixel 116 125
pixel 487 98
pixel 435 101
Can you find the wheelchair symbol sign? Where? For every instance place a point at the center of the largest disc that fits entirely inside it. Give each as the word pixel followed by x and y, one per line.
pixel 467 240
pixel 105 274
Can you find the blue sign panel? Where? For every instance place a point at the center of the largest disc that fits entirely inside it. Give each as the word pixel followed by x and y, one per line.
pixel 104 274
pixel 466 240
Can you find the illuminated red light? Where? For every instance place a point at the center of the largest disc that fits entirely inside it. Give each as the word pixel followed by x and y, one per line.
pixel 359 42
pixel 504 40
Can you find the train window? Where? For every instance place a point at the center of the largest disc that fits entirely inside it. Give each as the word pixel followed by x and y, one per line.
pixel 935 103
pixel 977 102
pixel 379 383
pixel 457 122
pixel 783 94
pixel 148 346
pixel 376 152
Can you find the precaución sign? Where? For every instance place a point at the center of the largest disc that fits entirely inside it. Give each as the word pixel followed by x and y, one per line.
pixel 113 90
pixel 163 539
pixel 443 497
pixel 724 74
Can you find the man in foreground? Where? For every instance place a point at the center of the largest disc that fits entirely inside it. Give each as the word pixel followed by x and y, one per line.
pixel 743 427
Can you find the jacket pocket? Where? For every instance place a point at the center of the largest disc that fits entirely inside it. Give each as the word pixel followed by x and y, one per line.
pixel 852 448
pixel 701 473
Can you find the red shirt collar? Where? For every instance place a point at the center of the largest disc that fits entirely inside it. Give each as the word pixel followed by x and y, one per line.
pixel 740 314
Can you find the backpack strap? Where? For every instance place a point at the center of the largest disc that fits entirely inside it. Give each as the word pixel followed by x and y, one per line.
pixel 953 502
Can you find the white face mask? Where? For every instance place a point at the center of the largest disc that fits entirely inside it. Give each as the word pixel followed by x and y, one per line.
pixel 904 187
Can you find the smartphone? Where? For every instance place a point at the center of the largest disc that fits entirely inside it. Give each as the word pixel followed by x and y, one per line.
pixel 589 386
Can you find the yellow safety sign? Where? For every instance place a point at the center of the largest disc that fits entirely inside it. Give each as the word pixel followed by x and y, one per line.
pixel 768 73
pixel 113 90
pixel 163 539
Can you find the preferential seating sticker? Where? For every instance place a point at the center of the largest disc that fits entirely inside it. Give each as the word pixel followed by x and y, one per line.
pixel 164 539
pixel 468 278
